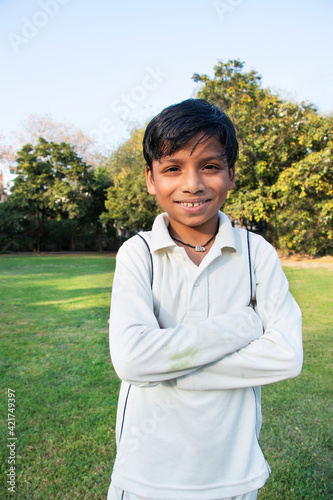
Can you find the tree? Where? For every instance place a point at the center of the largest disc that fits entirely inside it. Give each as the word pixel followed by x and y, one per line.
pixel 304 205
pixel 35 126
pixel 6 166
pixel 96 207
pixel 128 203
pixel 52 182
pixel 6 152
pixel 16 225
pixel 274 136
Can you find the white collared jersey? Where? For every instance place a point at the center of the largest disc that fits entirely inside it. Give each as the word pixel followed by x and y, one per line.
pixel 192 345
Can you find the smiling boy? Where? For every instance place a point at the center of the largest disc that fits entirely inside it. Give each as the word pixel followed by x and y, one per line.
pixel 201 317
pixel 191 185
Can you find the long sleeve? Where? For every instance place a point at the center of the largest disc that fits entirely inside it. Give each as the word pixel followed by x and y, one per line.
pixel 143 353
pixel 278 353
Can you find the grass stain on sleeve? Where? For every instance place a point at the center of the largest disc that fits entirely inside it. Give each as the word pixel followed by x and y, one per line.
pixel 184 359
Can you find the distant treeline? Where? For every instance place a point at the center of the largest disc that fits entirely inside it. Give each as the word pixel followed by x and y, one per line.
pixel 64 200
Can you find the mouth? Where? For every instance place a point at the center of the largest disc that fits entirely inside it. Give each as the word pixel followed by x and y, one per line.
pixel 192 204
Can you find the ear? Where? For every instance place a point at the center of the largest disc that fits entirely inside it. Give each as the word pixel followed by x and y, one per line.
pixel 232 178
pixel 150 181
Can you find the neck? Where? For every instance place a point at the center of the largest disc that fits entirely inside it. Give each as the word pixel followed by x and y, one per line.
pixel 194 235
pixel 201 247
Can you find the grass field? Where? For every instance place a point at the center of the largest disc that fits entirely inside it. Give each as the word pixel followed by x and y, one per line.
pixel 55 356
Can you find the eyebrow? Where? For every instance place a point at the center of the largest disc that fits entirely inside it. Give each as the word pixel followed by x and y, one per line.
pixel 207 158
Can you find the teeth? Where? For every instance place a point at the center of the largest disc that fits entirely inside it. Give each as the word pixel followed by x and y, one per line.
pixel 191 204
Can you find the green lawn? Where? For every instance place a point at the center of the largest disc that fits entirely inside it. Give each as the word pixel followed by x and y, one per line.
pixel 55 356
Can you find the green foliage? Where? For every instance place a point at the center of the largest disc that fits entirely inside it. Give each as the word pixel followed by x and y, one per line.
pixel 53 184
pixel 279 140
pixel 283 176
pixel 15 224
pixel 128 202
pixel 305 205
pixel 52 181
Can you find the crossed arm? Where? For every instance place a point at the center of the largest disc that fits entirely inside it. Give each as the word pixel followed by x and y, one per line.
pixel 243 348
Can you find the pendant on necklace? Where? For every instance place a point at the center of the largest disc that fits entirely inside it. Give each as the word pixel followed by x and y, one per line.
pixel 200 249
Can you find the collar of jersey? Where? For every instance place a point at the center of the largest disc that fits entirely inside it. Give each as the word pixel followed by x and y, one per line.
pixel 160 237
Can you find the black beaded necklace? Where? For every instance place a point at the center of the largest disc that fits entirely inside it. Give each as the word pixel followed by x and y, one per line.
pixel 197 248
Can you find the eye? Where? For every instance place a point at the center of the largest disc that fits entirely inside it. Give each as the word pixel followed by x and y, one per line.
pixel 171 169
pixel 211 167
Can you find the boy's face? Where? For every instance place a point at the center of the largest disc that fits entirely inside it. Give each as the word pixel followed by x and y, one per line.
pixel 191 186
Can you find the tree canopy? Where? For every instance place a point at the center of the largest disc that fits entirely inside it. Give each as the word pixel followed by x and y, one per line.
pixel 284 171
pixel 53 183
pixel 128 202
pixel 36 126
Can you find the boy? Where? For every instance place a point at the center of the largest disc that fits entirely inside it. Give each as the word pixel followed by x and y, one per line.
pixel 201 317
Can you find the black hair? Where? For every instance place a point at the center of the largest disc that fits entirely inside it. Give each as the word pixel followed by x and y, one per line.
pixel 175 125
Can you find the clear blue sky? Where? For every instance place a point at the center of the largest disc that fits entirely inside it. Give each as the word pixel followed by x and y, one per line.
pixel 107 65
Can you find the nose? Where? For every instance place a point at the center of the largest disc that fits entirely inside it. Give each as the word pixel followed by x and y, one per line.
pixel 193 182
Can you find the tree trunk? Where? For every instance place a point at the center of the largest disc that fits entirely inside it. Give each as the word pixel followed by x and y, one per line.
pixel 100 237
pixel 39 231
